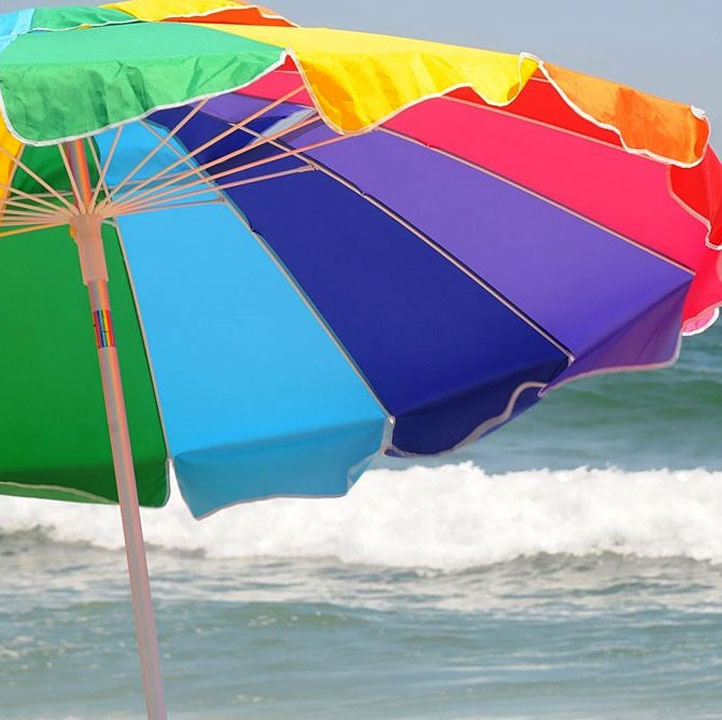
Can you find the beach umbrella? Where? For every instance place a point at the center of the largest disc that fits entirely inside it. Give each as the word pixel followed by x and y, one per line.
pixel 304 247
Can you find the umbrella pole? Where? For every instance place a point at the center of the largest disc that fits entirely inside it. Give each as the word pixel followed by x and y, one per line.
pixel 87 234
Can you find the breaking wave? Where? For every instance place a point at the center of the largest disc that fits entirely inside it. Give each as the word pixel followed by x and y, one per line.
pixel 450 517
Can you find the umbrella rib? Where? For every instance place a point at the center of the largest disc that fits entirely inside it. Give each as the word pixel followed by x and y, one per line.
pixel 24 221
pixel 281 146
pixel 152 207
pixel 236 126
pixel 65 193
pixel 19 163
pixel 21 206
pixel 106 165
pixel 111 209
pixel 217 161
pixel 31 216
pixel 290 152
pixel 189 163
pixel 168 204
pixel 31 228
pixel 183 156
pixel 163 142
pixel 36 198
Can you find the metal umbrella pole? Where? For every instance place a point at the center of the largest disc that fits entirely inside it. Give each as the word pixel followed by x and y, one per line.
pixel 87 234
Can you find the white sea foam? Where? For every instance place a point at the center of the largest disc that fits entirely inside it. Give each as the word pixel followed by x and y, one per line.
pixel 451 517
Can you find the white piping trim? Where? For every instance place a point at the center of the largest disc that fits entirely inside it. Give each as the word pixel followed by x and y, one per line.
pixel 288 52
pixel 83 26
pixel 312 308
pixel 260 498
pixel 277 496
pixel 485 427
pixel 325 431
pixel 623 368
pixel 429 96
pixel 708 228
pixel 490 423
pixel 670 187
pixel 696 215
pixel 706 326
pixel 545 389
pixel 634 151
pixel 61 488
pixel 133 19
pixel 141 116
pixel 458 86
pixel 617 369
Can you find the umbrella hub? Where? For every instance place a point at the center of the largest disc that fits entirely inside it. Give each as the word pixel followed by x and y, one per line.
pixel 86 231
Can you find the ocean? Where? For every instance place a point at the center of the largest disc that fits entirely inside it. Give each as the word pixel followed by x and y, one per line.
pixel 567 566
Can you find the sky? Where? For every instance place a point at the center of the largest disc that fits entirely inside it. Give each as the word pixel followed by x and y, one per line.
pixel 667 47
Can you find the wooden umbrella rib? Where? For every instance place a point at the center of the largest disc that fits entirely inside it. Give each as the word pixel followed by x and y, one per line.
pixel 183 156
pixel 65 193
pixel 13 222
pixel 233 128
pixel 30 228
pixel 170 204
pixel 163 142
pixel 240 168
pixel 103 171
pixel 35 197
pixel 29 210
pixel 19 163
pixel 173 178
pixel 38 215
pixel 164 190
pixel 5 216
pixel 224 158
pixel 152 207
pixel 22 210
pixel 109 209
pixel 15 204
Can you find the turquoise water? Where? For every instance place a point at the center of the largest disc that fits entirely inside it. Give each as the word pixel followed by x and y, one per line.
pixel 569 566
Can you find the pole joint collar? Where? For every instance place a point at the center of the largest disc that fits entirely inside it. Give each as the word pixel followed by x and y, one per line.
pixel 88 237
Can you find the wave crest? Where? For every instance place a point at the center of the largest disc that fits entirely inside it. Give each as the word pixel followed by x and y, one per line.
pixel 449 517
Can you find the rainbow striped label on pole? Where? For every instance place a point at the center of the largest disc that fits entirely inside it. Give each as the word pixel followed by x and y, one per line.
pixel 103 324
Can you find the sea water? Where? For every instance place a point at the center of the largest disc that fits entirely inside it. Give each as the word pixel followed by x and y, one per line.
pixel 568 566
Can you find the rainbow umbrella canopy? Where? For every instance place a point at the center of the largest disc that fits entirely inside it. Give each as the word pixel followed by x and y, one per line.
pixel 304 247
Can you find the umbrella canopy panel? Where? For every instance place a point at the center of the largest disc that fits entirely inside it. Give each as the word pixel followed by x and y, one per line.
pixel 53 435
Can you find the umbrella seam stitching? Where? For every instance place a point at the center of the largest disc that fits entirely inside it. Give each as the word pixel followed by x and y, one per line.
pixel 448 257
pixel 544 198
pixel 72 491
pixel 80 136
pixel 302 295
pixel 390 420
